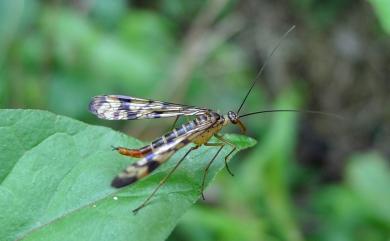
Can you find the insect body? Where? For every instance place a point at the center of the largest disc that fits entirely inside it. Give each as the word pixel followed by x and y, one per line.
pixel 198 131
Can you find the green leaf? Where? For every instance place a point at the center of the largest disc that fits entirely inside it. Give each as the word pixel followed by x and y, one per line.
pixel 55 182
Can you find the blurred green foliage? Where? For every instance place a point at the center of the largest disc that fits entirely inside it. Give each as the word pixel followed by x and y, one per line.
pixel 320 14
pixel 382 9
pixel 358 208
pixel 56 56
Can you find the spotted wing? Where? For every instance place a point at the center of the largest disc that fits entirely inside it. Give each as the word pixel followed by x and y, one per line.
pixel 119 107
pixel 158 156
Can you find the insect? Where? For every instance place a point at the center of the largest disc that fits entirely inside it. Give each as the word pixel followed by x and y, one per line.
pixel 207 123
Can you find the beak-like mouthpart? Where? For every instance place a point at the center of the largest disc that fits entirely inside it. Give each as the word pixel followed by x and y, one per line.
pixel 242 127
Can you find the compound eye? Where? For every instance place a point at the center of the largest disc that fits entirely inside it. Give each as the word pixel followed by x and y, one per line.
pixel 232 117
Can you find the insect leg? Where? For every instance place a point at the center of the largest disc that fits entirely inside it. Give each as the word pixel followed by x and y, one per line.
pixel 219 137
pixel 175 122
pixel 221 145
pixel 163 180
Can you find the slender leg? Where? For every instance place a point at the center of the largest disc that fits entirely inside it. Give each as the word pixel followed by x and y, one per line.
pixel 221 145
pixel 163 180
pixel 219 137
pixel 176 119
pixel 175 122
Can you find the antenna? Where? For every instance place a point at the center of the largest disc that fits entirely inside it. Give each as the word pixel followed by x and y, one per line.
pixel 299 111
pixel 265 64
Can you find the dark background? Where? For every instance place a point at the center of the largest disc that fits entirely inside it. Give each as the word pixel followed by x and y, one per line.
pixel 310 177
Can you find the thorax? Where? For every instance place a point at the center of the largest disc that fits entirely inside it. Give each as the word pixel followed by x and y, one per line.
pixel 220 121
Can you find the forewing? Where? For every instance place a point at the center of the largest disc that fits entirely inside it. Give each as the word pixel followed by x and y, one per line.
pixel 118 107
pixel 150 162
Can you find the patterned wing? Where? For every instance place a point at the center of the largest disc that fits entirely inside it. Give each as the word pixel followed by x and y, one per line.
pixel 118 107
pixel 150 162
